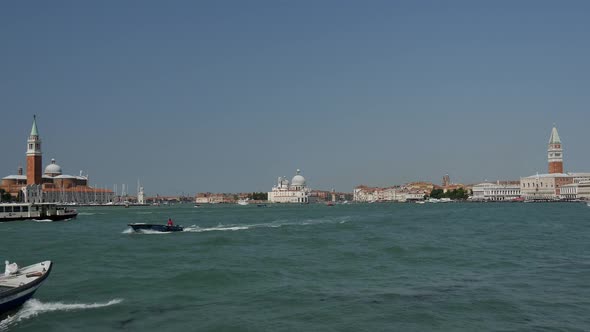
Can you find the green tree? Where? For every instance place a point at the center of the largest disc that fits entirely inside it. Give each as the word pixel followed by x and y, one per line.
pixel 437 193
pixel 5 197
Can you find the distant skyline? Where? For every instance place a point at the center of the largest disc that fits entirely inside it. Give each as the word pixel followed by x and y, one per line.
pixel 225 96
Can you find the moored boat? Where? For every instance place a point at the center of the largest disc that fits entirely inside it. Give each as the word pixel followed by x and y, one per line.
pixel 32 211
pixel 138 227
pixel 17 285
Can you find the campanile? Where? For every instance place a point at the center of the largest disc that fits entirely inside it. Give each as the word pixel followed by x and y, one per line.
pixel 34 156
pixel 555 153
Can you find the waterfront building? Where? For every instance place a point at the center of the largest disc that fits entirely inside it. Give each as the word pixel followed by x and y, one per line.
pixel 50 185
pixel 574 191
pixel 499 191
pixel 544 186
pixel 211 198
pixel 422 187
pixel 548 186
pixel 295 191
pixel 389 194
pixel 329 195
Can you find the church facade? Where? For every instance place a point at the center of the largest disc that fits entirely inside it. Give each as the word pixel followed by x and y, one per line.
pixel 50 185
pixel 294 192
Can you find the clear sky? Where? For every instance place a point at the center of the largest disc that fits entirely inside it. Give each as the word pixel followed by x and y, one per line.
pixel 226 96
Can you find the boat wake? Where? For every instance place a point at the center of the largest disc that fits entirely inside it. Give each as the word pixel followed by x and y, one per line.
pixel 143 231
pixel 274 224
pixel 86 213
pixel 43 220
pixel 197 229
pixel 34 307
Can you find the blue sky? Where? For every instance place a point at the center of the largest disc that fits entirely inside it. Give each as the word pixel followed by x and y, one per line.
pixel 226 96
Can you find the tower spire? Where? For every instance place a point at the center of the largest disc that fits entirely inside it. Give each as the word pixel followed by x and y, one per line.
pixel 554 139
pixel 34 131
pixel 555 152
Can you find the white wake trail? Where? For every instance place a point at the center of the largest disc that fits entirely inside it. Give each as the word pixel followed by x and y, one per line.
pixel 34 307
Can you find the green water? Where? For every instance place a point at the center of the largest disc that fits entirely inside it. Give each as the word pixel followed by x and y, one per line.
pixel 373 267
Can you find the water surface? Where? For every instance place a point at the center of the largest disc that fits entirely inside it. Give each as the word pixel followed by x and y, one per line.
pixel 371 267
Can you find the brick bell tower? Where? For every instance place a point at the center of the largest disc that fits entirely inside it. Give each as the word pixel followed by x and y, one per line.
pixel 555 153
pixel 34 158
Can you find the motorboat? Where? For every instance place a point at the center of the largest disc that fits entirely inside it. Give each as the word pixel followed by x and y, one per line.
pixel 261 205
pixel 139 227
pixel 17 285
pixel 243 202
pixel 35 211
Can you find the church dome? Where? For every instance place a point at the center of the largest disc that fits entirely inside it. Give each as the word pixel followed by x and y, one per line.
pixel 298 180
pixel 53 168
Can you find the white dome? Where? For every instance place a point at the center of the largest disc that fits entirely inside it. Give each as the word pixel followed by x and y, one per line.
pixel 53 168
pixel 298 180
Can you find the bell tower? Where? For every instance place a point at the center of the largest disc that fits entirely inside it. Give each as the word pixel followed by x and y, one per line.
pixel 555 153
pixel 34 167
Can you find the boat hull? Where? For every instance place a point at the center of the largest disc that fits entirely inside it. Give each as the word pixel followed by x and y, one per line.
pixel 12 299
pixel 155 228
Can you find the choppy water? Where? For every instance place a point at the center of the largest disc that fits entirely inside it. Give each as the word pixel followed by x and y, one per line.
pixel 374 267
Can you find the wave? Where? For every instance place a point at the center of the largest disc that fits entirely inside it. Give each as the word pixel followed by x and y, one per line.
pixel 274 224
pixel 145 212
pixel 197 229
pixel 34 307
pixel 43 220
pixel 86 213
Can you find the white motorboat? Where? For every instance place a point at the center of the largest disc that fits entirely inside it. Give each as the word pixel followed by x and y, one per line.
pixel 17 285
pixel 243 202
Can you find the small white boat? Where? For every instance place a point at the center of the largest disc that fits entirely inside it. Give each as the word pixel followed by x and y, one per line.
pixel 243 202
pixel 17 285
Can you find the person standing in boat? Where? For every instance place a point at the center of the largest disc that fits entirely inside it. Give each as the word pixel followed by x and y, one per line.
pixel 170 223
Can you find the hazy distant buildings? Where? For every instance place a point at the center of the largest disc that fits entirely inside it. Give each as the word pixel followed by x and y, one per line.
pixel 50 185
pixel 389 194
pixel 446 180
pixel 294 192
